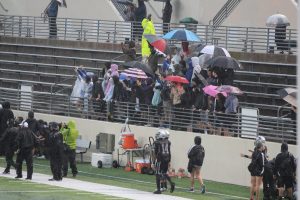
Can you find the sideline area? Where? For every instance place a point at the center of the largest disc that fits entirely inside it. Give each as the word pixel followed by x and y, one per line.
pixel 94 187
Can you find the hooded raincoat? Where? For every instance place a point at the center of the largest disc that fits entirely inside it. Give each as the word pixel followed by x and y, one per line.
pixel 70 134
pixel 148 29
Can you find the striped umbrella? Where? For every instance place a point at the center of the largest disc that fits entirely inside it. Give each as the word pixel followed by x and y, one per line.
pixel 277 20
pixel 182 35
pixel 135 73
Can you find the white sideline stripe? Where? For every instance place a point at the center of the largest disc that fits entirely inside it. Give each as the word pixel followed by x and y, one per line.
pixel 96 188
pixel 146 182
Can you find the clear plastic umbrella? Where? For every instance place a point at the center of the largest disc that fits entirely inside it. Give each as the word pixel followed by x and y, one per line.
pixel 277 20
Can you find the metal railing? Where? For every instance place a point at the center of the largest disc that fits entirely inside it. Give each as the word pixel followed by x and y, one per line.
pixel 224 12
pixel 239 39
pixel 274 129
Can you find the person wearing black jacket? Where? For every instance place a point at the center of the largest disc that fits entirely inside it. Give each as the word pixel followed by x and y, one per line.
pixel 5 115
pixel 167 14
pixel 55 151
pixel 8 139
pixel 25 143
pixel 196 157
pixel 285 169
pixel 32 122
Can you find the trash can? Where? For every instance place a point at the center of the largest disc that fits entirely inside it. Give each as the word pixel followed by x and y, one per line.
pixel 190 24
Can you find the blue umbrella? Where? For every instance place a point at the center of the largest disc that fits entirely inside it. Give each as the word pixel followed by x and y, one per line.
pixel 182 35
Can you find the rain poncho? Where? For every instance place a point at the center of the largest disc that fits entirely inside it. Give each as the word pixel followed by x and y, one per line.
pixel 78 89
pixel 156 99
pixel 148 29
pixel 70 134
pixel 196 67
pixel 109 89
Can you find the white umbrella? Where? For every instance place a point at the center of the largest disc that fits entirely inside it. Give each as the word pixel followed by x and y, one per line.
pixel 214 50
pixel 277 20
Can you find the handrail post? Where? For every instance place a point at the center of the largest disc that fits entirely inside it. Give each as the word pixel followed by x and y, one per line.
pixel 66 24
pixel 98 30
pixel 34 24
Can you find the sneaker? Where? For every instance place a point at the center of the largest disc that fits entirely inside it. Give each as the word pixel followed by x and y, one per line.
pixel 18 177
pixel 202 190
pixel 27 178
pixel 191 190
pixel 172 187
pixel 157 192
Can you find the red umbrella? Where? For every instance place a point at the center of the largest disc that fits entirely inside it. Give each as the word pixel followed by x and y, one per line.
pixel 176 79
pixel 158 43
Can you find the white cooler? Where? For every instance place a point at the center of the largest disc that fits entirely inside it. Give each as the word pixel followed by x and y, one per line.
pixel 105 158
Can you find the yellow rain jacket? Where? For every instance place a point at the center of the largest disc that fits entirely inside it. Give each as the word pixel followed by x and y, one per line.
pixel 148 27
pixel 70 134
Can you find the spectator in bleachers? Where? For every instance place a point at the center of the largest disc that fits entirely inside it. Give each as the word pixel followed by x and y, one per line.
pixel 52 12
pixel 166 100
pixel 97 96
pixel 140 13
pixel 211 80
pixel 175 95
pixel 219 113
pixel 87 90
pixel 167 14
pixel 231 104
pixel 5 114
pixel 129 51
pixel 148 28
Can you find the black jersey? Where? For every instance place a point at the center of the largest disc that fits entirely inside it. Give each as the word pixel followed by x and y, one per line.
pixel 162 150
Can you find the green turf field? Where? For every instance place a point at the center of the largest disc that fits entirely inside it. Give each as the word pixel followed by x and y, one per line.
pixel 118 177
pixel 12 189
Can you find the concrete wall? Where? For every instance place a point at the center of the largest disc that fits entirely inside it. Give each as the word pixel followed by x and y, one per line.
pixel 222 162
pixel 94 9
pixel 247 12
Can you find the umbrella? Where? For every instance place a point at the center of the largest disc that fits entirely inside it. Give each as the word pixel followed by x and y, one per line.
pixel 229 89
pixel 289 95
pixel 158 43
pixel 214 50
pixel 135 73
pixel 203 59
pixel 188 20
pixel 137 64
pixel 211 90
pixel 176 79
pixel 224 62
pixel 277 20
pixel 182 35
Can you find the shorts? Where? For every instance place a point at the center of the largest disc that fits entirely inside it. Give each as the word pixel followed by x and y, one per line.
pixel 161 167
pixel 255 173
pixel 285 181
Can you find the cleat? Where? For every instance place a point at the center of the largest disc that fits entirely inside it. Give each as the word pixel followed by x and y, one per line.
pixel 203 189
pixel 172 187
pixel 157 192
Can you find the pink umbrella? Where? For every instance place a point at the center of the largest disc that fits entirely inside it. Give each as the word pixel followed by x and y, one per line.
pixel 211 90
pixel 229 89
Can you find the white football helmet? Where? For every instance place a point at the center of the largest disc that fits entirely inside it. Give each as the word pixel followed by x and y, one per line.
pixel 260 139
pixel 163 133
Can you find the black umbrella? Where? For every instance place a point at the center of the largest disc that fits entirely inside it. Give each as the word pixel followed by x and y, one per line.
pixel 213 50
pixel 289 95
pixel 139 65
pixel 224 62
